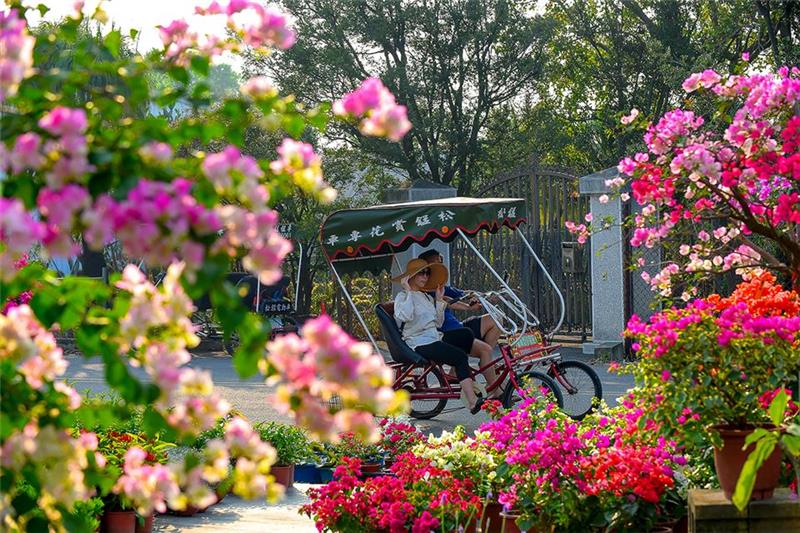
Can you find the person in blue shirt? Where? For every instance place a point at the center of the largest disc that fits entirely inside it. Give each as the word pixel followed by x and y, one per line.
pixel 483 327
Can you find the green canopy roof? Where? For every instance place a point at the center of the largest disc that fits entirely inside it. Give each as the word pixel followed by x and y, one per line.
pixel 380 231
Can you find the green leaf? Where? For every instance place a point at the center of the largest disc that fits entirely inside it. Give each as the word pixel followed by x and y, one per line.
pixel 153 422
pixel 756 435
pixel 113 41
pixel 777 408
pixel 179 74
pixel 747 478
pixel 294 125
pixel 134 33
pixel 23 503
pixel 200 64
pixel 43 9
pixel 253 335
pixel 792 444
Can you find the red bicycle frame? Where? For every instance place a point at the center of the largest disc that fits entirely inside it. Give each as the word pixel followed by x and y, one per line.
pixel 505 366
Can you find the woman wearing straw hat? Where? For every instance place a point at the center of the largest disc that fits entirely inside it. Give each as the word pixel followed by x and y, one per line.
pixel 418 315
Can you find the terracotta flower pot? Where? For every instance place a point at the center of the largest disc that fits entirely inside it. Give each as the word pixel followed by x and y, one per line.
pixel 491 522
pixel 370 468
pixel 144 525
pixel 284 475
pixel 508 522
pixel 729 460
pixel 118 522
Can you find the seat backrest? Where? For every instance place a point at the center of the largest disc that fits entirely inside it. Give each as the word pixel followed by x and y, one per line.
pixel 398 348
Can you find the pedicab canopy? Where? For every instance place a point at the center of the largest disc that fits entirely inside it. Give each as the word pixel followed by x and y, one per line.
pixel 360 240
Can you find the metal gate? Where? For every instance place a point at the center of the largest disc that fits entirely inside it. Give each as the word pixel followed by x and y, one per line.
pixel 552 199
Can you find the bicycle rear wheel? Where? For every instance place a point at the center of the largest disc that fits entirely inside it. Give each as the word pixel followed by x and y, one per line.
pixel 531 383
pixel 580 387
pixel 422 380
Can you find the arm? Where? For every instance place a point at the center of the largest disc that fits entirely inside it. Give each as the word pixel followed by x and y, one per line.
pixel 403 307
pixel 440 305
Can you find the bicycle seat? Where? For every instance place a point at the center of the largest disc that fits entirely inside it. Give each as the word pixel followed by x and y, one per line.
pixel 398 348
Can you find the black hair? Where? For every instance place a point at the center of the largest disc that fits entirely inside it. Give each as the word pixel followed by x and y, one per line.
pixel 427 255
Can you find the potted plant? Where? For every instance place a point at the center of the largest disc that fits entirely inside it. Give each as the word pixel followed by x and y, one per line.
pixel 397 438
pixel 420 497
pixel 783 413
pixel 704 368
pixel 352 446
pixel 291 445
pixel 113 444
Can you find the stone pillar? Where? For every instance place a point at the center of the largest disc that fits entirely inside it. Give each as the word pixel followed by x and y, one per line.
pixel 608 273
pixel 419 190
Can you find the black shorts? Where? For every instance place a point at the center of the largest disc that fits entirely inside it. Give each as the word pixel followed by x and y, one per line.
pixel 474 324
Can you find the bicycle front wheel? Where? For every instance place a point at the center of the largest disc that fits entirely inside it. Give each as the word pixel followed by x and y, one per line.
pixel 580 387
pixel 531 383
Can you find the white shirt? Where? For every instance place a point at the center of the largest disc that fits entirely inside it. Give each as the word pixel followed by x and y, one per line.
pixel 421 317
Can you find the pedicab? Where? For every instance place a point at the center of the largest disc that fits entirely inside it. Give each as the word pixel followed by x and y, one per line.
pixel 368 239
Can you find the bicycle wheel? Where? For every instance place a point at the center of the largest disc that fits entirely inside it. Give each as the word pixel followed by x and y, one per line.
pixel 580 386
pixel 531 383
pixel 422 380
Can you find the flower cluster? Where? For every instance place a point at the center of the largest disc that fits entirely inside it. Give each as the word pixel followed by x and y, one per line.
pixel 251 22
pixel 254 234
pixel 158 327
pixel 714 358
pixel 24 297
pixel 745 175
pixel 298 160
pixel 397 437
pixel 376 107
pixel 421 498
pixel 25 342
pixel 69 150
pixel 55 458
pixel 581 475
pixel 324 363
pixel 16 53
pixel 463 456
pixel 148 484
pixel 161 222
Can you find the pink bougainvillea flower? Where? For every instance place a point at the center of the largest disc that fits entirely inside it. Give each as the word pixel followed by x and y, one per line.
pixel 16 53
pixel 375 105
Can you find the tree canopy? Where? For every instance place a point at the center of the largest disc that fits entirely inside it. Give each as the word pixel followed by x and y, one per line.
pixel 450 62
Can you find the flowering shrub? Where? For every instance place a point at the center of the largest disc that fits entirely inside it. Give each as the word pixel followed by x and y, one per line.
pixel 711 362
pixel 602 473
pixel 740 170
pixel 463 456
pixel 81 159
pixel 290 442
pixel 420 499
pixel 397 437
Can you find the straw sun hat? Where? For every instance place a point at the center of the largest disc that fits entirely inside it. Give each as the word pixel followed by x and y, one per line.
pixel 438 273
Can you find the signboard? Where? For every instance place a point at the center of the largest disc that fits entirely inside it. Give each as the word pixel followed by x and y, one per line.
pixel 286 230
pixel 276 307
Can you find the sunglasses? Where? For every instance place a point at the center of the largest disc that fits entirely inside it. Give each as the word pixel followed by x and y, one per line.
pixel 425 271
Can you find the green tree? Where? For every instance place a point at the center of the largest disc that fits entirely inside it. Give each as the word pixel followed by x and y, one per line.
pixel 607 57
pixel 451 62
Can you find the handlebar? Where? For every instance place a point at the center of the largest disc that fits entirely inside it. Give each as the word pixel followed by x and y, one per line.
pixel 507 325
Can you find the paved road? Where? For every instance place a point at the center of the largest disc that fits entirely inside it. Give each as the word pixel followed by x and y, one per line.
pixel 252 396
